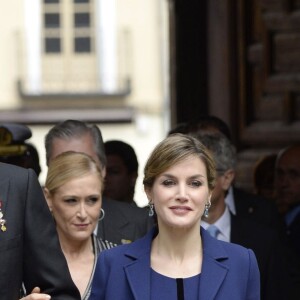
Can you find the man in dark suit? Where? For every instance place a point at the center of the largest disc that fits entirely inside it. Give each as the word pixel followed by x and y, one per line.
pixel 260 238
pixel 29 248
pixel 122 223
pixel 253 207
pixel 239 202
pixel 287 184
pixel 287 187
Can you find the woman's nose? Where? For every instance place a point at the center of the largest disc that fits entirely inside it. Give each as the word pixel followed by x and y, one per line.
pixel 82 211
pixel 182 192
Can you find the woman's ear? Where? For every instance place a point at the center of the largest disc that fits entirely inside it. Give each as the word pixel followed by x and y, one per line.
pixel 148 193
pixel 48 198
pixel 209 197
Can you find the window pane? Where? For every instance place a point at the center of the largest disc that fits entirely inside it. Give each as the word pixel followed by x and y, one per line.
pixel 51 1
pixel 82 20
pixel 81 1
pixel 52 45
pixel 82 44
pixel 52 20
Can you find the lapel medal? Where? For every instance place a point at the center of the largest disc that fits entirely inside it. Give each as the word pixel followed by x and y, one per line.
pixel 2 221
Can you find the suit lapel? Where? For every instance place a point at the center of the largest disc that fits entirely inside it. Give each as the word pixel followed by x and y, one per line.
pixel 138 275
pixel 138 271
pixel 4 185
pixel 213 270
pixel 113 223
pixel 236 234
pixel 4 193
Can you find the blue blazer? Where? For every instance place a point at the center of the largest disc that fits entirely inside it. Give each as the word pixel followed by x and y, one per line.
pixel 228 271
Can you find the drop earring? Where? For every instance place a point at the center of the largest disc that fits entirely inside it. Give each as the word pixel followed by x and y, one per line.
pixel 151 209
pixel 206 209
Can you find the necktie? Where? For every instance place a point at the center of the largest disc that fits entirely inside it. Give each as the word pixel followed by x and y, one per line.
pixel 213 230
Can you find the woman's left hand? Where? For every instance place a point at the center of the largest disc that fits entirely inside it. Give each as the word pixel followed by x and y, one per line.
pixel 36 295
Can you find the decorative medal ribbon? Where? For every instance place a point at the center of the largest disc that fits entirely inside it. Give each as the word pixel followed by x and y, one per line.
pixel 2 221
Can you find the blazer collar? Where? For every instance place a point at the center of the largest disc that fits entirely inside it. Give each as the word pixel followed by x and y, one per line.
pixel 212 275
pixel 4 186
pixel 214 270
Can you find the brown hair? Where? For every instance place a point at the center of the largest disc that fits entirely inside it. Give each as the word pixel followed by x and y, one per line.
pixel 174 149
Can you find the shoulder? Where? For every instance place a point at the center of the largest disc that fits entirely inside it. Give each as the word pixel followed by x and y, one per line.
pixel 237 251
pixel 10 171
pixel 131 251
pixel 134 213
pixel 17 176
pixel 252 229
pixel 238 259
pixel 245 196
pixel 222 251
pixel 252 204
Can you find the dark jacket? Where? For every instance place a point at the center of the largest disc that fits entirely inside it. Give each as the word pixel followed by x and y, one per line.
pixel 123 223
pixel 29 248
pixel 269 252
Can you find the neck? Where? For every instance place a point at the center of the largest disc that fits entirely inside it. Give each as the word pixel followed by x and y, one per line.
pixel 177 252
pixel 177 243
pixel 75 248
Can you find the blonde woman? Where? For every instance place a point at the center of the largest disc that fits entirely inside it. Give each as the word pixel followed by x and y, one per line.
pixel 73 190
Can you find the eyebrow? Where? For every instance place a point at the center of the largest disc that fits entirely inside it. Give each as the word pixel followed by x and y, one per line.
pixel 191 177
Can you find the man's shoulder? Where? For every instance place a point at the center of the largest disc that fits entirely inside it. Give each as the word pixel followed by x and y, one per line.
pixel 124 208
pixel 11 171
pixel 256 207
pixel 251 201
pixel 252 230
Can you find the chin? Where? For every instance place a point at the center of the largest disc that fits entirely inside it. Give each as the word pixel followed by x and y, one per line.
pixel 181 225
pixel 81 236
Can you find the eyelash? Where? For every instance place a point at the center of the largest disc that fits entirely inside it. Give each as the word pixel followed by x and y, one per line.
pixel 168 182
pixel 71 201
pixel 93 199
pixel 194 183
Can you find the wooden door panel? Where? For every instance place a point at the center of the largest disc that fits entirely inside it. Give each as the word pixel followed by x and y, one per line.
pixel 269 71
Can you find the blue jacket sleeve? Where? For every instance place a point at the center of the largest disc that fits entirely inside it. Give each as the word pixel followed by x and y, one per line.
pixel 253 289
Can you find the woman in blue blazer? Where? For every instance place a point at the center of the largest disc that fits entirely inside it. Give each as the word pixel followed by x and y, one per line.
pixel 177 260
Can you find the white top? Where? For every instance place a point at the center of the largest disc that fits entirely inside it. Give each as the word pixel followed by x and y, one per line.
pixel 223 224
pixel 229 201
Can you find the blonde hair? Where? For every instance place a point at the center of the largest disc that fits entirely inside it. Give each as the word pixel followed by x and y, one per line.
pixel 70 165
pixel 174 149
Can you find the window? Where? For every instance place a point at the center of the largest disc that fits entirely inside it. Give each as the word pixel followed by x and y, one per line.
pixel 68 36
pixel 82 44
pixel 82 20
pixel 52 45
pixel 70 63
pixel 82 27
pixel 52 27
pixel 51 1
pixel 52 20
